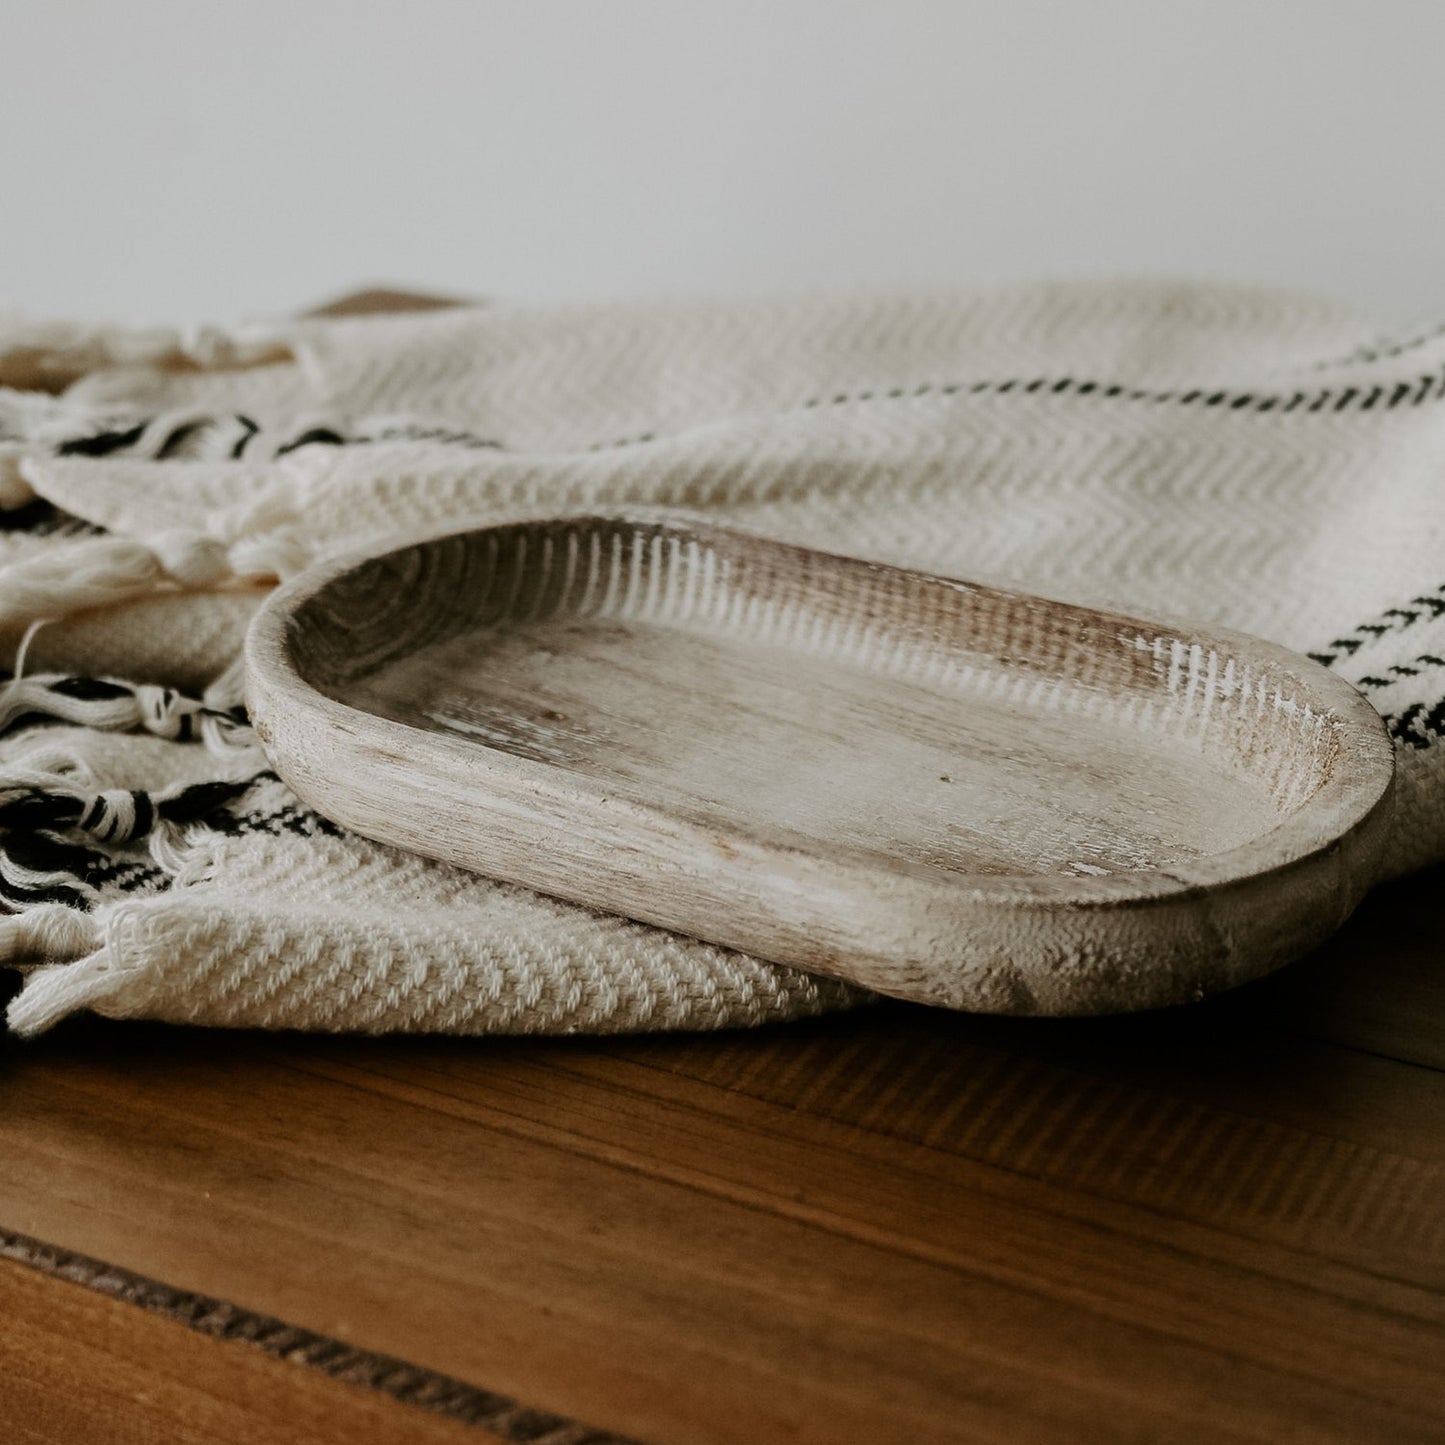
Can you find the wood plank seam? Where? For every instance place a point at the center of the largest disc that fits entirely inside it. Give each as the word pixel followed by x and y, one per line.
pixel 1374 1206
pixel 1325 1040
pixel 826 1220
pixel 995 1160
pixel 403 1381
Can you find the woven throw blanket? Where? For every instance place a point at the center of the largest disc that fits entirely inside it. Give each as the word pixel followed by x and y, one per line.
pixel 1223 455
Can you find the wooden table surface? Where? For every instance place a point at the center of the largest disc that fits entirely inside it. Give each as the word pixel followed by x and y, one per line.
pixel 1222 1223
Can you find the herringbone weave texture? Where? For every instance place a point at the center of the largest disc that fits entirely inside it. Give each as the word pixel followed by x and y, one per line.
pixel 1226 456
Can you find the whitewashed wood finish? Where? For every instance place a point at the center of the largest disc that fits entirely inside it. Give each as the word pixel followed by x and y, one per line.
pixel 944 791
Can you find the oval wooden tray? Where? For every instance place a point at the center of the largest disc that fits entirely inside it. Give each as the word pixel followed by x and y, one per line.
pixel 949 792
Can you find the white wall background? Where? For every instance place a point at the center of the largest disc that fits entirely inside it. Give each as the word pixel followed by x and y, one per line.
pixel 181 159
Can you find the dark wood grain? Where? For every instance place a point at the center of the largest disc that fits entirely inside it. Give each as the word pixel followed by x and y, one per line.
pixel 52 1328
pixel 80 1365
pixel 1222 1223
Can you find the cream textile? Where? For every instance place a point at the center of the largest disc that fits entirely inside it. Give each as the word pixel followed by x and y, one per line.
pixel 1227 455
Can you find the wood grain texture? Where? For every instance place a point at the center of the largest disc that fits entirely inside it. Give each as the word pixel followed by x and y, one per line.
pixel 79 1365
pixel 44 1388
pixel 939 790
pixel 1221 1223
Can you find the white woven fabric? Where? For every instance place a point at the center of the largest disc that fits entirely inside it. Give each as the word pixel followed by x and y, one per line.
pixel 1222 455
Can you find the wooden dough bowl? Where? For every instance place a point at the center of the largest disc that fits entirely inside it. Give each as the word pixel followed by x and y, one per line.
pixel 949 792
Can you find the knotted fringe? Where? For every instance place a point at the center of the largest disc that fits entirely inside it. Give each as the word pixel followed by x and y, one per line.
pixel 59 989
pixel 44 862
pixel 40 869
pixel 64 844
pixel 261 541
pixel 51 932
pixel 115 706
pixel 62 932
pixel 49 818
pixel 49 355
pixel 103 571
pixel 74 967
pixel 114 816
pixel 90 573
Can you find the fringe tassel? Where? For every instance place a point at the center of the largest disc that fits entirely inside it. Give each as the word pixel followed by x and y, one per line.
pixel 50 933
pixel 46 860
pixel 95 572
pixel 52 992
pixel 51 822
pixel 39 869
pixel 111 705
pixel 115 816
pixel 48 356
pixel 106 570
